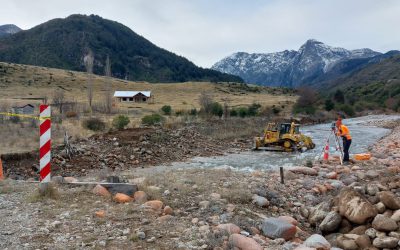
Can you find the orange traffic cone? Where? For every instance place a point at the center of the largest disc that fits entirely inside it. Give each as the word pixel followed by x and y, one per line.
pixel 326 151
pixel 1 171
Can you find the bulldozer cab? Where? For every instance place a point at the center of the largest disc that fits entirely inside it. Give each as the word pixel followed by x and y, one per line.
pixel 289 128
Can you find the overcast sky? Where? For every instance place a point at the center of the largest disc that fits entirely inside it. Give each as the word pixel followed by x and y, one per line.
pixel 205 31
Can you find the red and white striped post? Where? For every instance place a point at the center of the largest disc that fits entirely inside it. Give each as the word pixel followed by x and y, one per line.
pixel 45 143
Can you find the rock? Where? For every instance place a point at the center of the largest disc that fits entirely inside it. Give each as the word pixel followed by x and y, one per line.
pixel 390 200
pixel 304 248
pixel 276 228
pixel 123 188
pixel 355 207
pixel 318 213
pixel 289 219
pixel 100 190
pixel 140 196
pixel 396 215
pixel 380 207
pixel 331 222
pixel 204 204
pixel 385 242
pixel 345 226
pixel 372 174
pixel 156 205
pixel 260 201
pixel 372 189
pixel 141 235
pixel 304 170
pixel 122 198
pixel 165 218
pixel 244 243
pixel 317 241
pixel 332 238
pixel 363 241
pixel 360 230
pixel 332 175
pixel 230 228
pixel 70 180
pixel 100 213
pixel 371 232
pixel 383 223
pixel 215 196
pixel 168 210
pixel 347 243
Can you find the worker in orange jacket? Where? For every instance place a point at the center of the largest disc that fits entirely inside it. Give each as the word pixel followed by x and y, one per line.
pixel 344 132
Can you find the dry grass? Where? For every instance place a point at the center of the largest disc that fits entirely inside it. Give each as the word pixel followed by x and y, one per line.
pixel 21 81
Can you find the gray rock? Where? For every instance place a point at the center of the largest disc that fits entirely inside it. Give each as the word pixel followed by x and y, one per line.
pixel 385 242
pixel 372 189
pixel 383 223
pixel 380 207
pixel 333 239
pixel 260 201
pixel 331 222
pixel 317 241
pixel 277 228
pixel 318 213
pixel 371 232
pixel 372 174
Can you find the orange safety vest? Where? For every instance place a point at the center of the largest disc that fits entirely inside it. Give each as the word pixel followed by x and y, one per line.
pixel 344 132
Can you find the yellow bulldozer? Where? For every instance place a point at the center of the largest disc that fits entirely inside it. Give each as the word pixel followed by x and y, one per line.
pixel 283 137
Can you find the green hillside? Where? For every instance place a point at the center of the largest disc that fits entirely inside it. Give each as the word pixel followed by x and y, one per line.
pixel 62 43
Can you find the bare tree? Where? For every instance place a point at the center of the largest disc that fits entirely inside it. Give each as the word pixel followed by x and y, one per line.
pixel 205 101
pixel 58 99
pixel 107 93
pixel 89 60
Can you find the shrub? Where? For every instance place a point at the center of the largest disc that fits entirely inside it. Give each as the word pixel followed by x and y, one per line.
pixel 166 109
pixel 152 119
pixel 179 112
pixel 339 96
pixel 329 105
pixel 234 112
pixel 253 109
pixel 193 112
pixel 347 109
pixel 216 109
pixel 120 122
pixel 71 114
pixel 94 124
pixel 276 110
pixel 15 119
pixel 243 112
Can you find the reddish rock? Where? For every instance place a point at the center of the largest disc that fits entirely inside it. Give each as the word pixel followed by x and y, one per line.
pixel 140 196
pixel 289 219
pixel 100 213
pixel 277 228
pixel 332 175
pixel 165 218
pixel 244 243
pixel 100 190
pixel 304 170
pixel 390 200
pixel 156 205
pixel 168 210
pixel 122 198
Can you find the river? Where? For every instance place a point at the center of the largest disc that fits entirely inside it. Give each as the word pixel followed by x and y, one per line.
pixel 363 134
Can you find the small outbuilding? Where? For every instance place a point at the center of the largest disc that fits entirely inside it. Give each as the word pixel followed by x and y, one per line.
pixel 133 96
pixel 27 109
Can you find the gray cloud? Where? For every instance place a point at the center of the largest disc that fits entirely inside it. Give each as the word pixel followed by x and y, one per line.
pixel 205 31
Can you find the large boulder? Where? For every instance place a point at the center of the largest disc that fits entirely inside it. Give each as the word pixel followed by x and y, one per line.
pixel 383 223
pixel 389 200
pixel 277 228
pixel 331 222
pixel 355 207
pixel 318 242
pixel 244 243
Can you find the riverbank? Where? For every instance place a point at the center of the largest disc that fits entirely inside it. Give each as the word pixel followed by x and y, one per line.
pixel 214 208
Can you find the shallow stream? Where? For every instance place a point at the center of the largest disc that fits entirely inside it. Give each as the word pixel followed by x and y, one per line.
pixel 363 134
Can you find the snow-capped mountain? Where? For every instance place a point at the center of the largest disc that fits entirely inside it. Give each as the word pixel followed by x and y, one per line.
pixel 8 29
pixel 289 68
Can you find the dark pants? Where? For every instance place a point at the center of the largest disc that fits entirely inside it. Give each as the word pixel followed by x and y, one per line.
pixel 346 146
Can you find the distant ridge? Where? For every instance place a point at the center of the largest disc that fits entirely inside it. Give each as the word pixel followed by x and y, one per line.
pixel 62 43
pixel 8 29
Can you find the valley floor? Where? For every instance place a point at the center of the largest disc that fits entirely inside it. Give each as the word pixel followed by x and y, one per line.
pixel 210 208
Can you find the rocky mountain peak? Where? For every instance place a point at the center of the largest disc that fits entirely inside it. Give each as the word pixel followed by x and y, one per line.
pixel 8 29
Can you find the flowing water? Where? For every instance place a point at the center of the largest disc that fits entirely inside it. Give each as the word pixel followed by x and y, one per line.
pixel 363 135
